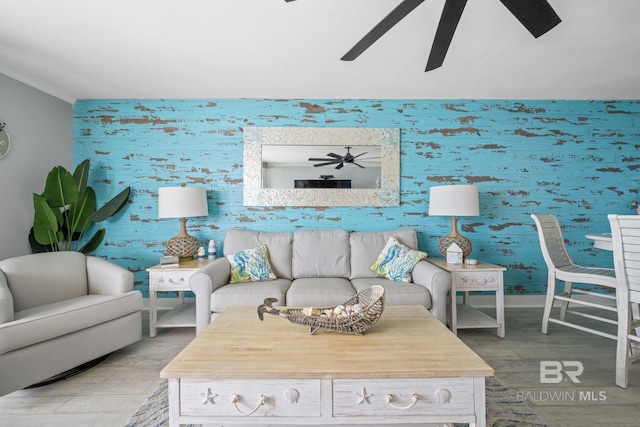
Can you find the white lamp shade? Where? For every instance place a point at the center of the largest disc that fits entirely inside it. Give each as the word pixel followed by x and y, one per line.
pixel 454 200
pixel 182 202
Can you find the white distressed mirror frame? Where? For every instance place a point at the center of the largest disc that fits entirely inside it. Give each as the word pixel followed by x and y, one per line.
pixel 255 195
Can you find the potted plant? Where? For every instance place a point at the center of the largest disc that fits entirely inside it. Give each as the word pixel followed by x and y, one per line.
pixel 66 209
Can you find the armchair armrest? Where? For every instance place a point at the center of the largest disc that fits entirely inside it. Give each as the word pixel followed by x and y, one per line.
pixel 438 282
pixel 6 301
pixel 203 282
pixel 106 278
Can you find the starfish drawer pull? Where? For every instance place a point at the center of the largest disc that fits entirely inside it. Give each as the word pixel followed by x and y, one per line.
pixel 364 396
pixel 208 397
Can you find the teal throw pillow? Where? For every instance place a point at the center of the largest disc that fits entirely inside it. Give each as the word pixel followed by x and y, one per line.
pixel 251 265
pixel 396 261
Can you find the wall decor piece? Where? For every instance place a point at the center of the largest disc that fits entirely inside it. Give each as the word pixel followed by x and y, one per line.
pixel 4 141
pixel 537 16
pixel 288 142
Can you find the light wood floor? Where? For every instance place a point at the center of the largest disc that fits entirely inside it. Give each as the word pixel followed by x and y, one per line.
pixel 108 394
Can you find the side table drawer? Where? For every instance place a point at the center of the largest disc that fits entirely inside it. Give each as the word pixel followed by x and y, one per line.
pixel 408 397
pixel 482 280
pixel 273 398
pixel 170 280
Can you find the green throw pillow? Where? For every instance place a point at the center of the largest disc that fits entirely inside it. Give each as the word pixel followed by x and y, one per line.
pixel 396 261
pixel 250 265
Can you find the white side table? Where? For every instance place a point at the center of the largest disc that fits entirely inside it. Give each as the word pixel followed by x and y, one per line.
pixel 480 277
pixel 172 279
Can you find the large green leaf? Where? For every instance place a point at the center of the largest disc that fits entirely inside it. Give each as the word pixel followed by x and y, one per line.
pixel 81 176
pixel 94 242
pixel 79 214
pixel 36 247
pixel 46 223
pixel 60 189
pixel 112 206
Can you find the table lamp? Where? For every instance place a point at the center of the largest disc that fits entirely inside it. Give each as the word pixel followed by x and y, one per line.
pixel 182 202
pixel 454 201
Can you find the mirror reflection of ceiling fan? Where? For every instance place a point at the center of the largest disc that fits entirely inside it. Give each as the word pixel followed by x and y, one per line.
pixel 341 161
pixel 537 16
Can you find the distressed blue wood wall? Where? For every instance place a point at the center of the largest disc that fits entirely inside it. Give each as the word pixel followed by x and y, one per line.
pixel 576 159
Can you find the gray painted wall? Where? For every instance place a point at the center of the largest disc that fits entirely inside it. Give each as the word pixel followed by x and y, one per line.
pixel 40 127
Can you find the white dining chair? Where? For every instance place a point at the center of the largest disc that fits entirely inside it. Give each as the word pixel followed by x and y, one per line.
pixel 625 236
pixel 575 300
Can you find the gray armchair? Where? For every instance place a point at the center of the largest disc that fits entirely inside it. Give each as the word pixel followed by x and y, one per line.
pixel 60 310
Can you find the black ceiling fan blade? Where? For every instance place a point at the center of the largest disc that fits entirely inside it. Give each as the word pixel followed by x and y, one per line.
pixel 361 154
pixel 449 19
pixel 340 166
pixel 537 16
pixel 316 159
pixel 324 164
pixel 395 16
pixel 360 166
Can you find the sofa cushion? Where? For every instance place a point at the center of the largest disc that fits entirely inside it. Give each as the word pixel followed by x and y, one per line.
pixel 250 265
pixel 53 320
pixel 45 278
pixel 366 246
pixel 319 292
pixel 321 253
pixel 249 293
pixel 278 243
pixel 396 261
pixel 397 293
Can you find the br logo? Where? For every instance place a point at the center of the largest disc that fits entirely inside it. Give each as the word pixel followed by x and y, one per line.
pixel 553 371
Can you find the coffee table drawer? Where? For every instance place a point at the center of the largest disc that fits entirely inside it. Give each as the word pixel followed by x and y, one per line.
pixel 250 398
pixel 408 397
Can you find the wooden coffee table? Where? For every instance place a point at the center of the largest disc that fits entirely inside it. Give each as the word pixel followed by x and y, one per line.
pixel 407 369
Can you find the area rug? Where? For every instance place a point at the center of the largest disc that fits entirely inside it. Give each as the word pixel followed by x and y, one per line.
pixel 504 409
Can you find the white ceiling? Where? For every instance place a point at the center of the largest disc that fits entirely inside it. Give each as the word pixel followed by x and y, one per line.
pixel 77 49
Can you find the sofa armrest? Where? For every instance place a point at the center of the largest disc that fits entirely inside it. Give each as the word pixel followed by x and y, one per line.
pixel 6 300
pixel 438 282
pixel 203 282
pixel 106 278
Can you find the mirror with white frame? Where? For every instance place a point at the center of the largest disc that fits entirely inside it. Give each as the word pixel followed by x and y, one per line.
pixel 321 166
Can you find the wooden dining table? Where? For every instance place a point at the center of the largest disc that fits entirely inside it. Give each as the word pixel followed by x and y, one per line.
pixel 601 240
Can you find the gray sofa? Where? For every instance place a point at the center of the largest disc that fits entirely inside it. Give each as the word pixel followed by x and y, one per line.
pixel 60 310
pixel 316 268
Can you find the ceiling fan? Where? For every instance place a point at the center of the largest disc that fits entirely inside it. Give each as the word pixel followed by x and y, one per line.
pixel 340 161
pixel 537 16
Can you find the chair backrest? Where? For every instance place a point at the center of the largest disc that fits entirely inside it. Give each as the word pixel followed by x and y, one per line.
pixel 625 236
pixel 45 278
pixel 551 239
